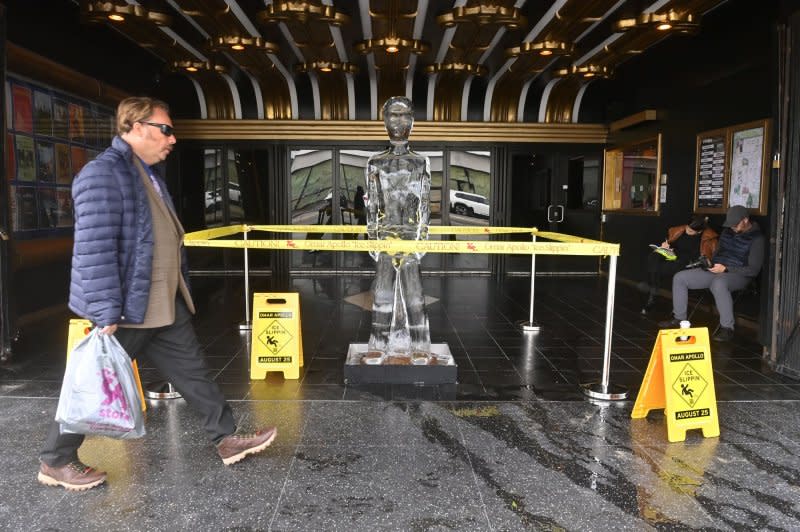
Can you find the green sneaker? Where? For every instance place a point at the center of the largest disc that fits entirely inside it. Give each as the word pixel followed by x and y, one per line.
pixel 668 254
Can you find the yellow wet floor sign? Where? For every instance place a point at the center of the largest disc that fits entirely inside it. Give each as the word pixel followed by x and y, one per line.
pixel 277 344
pixel 78 329
pixel 680 380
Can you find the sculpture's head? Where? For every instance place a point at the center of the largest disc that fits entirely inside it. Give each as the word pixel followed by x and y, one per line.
pixel 398 116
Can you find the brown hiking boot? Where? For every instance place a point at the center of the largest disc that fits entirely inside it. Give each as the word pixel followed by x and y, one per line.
pixel 236 446
pixel 75 476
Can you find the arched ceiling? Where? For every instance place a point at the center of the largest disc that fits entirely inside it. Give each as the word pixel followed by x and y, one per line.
pixel 460 60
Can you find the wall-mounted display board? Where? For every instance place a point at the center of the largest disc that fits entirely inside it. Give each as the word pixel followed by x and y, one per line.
pixel 712 155
pixel 733 168
pixel 51 135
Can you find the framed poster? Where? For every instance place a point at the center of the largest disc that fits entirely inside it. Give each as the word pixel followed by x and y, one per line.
pixel 64 207
pixel 11 158
pixel 60 119
pixel 22 100
pixel 48 216
pixel 24 208
pixel 77 124
pixel 45 162
pixel 26 161
pixel 63 170
pixel 43 114
pixel 749 165
pixel 79 158
pixel 711 171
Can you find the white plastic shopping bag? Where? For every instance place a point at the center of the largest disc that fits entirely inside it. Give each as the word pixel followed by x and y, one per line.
pixel 99 393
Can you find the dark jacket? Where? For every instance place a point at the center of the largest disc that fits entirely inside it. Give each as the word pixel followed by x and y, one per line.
pixel 741 253
pixel 113 251
pixel 708 239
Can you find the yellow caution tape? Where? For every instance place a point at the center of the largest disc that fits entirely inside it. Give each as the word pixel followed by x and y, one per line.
pixel 564 245
pixel 360 229
pixel 217 232
pixel 419 246
pixel 561 237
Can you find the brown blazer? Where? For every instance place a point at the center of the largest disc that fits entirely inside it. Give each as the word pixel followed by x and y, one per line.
pixel 709 239
pixel 166 278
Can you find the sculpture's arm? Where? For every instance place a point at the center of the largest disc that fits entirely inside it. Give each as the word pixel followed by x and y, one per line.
pixel 424 214
pixel 372 202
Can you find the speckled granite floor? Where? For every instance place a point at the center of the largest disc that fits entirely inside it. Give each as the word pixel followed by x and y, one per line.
pixel 512 446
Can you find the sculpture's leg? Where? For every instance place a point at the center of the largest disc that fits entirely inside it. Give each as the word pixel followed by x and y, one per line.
pixel 382 303
pixel 399 338
pixel 414 299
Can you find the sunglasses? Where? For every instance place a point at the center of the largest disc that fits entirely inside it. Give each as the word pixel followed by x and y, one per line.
pixel 165 129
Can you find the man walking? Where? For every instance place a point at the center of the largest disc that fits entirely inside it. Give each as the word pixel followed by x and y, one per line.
pixel 129 277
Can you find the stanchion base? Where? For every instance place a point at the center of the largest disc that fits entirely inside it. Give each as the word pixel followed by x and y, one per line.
pixel 612 392
pixel 246 326
pixel 162 390
pixel 528 326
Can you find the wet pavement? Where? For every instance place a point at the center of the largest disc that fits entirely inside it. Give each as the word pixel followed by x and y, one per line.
pixel 513 445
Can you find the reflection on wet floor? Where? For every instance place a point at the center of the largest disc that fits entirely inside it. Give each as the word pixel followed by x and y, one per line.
pixel 513 445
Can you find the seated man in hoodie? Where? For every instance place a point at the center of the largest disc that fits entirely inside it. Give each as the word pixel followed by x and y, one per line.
pixel 684 244
pixel 737 261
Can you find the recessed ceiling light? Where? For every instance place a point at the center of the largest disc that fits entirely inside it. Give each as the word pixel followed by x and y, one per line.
pixel 116 18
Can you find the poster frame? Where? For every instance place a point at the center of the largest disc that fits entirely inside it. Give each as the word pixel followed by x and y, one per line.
pixel 763 174
pixel 701 137
pixel 731 176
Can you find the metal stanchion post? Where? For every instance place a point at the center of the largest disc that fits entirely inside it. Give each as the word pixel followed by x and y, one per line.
pixel 246 325
pixel 530 326
pixel 161 390
pixel 604 390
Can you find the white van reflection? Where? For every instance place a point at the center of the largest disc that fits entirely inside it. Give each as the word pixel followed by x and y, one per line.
pixel 468 204
pixel 214 197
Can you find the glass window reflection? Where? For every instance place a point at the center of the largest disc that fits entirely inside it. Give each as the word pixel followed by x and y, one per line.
pixel 214 182
pixel 312 201
pixel 631 176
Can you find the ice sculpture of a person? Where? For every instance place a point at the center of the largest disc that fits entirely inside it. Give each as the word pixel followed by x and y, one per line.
pixel 398 207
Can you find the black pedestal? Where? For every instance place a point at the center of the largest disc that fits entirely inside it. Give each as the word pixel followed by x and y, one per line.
pixel 355 372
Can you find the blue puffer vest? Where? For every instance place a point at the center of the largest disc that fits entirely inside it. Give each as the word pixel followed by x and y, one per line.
pixel 734 248
pixel 112 257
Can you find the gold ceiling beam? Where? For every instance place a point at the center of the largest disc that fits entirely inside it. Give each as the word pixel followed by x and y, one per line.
pixel 368 130
pixel 635 119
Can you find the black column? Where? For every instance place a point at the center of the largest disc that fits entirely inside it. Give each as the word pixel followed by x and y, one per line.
pixel 5 306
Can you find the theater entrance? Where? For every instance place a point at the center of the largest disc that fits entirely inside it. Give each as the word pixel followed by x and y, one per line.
pixel 555 191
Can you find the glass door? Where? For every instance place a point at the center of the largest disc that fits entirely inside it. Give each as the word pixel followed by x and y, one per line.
pixel 312 202
pixel 469 200
pixel 553 191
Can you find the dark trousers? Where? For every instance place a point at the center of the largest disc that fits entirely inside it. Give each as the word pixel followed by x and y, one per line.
pixel 721 286
pixel 175 351
pixel 658 267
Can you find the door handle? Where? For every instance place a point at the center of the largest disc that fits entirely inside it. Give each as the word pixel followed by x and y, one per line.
pixel 555 213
